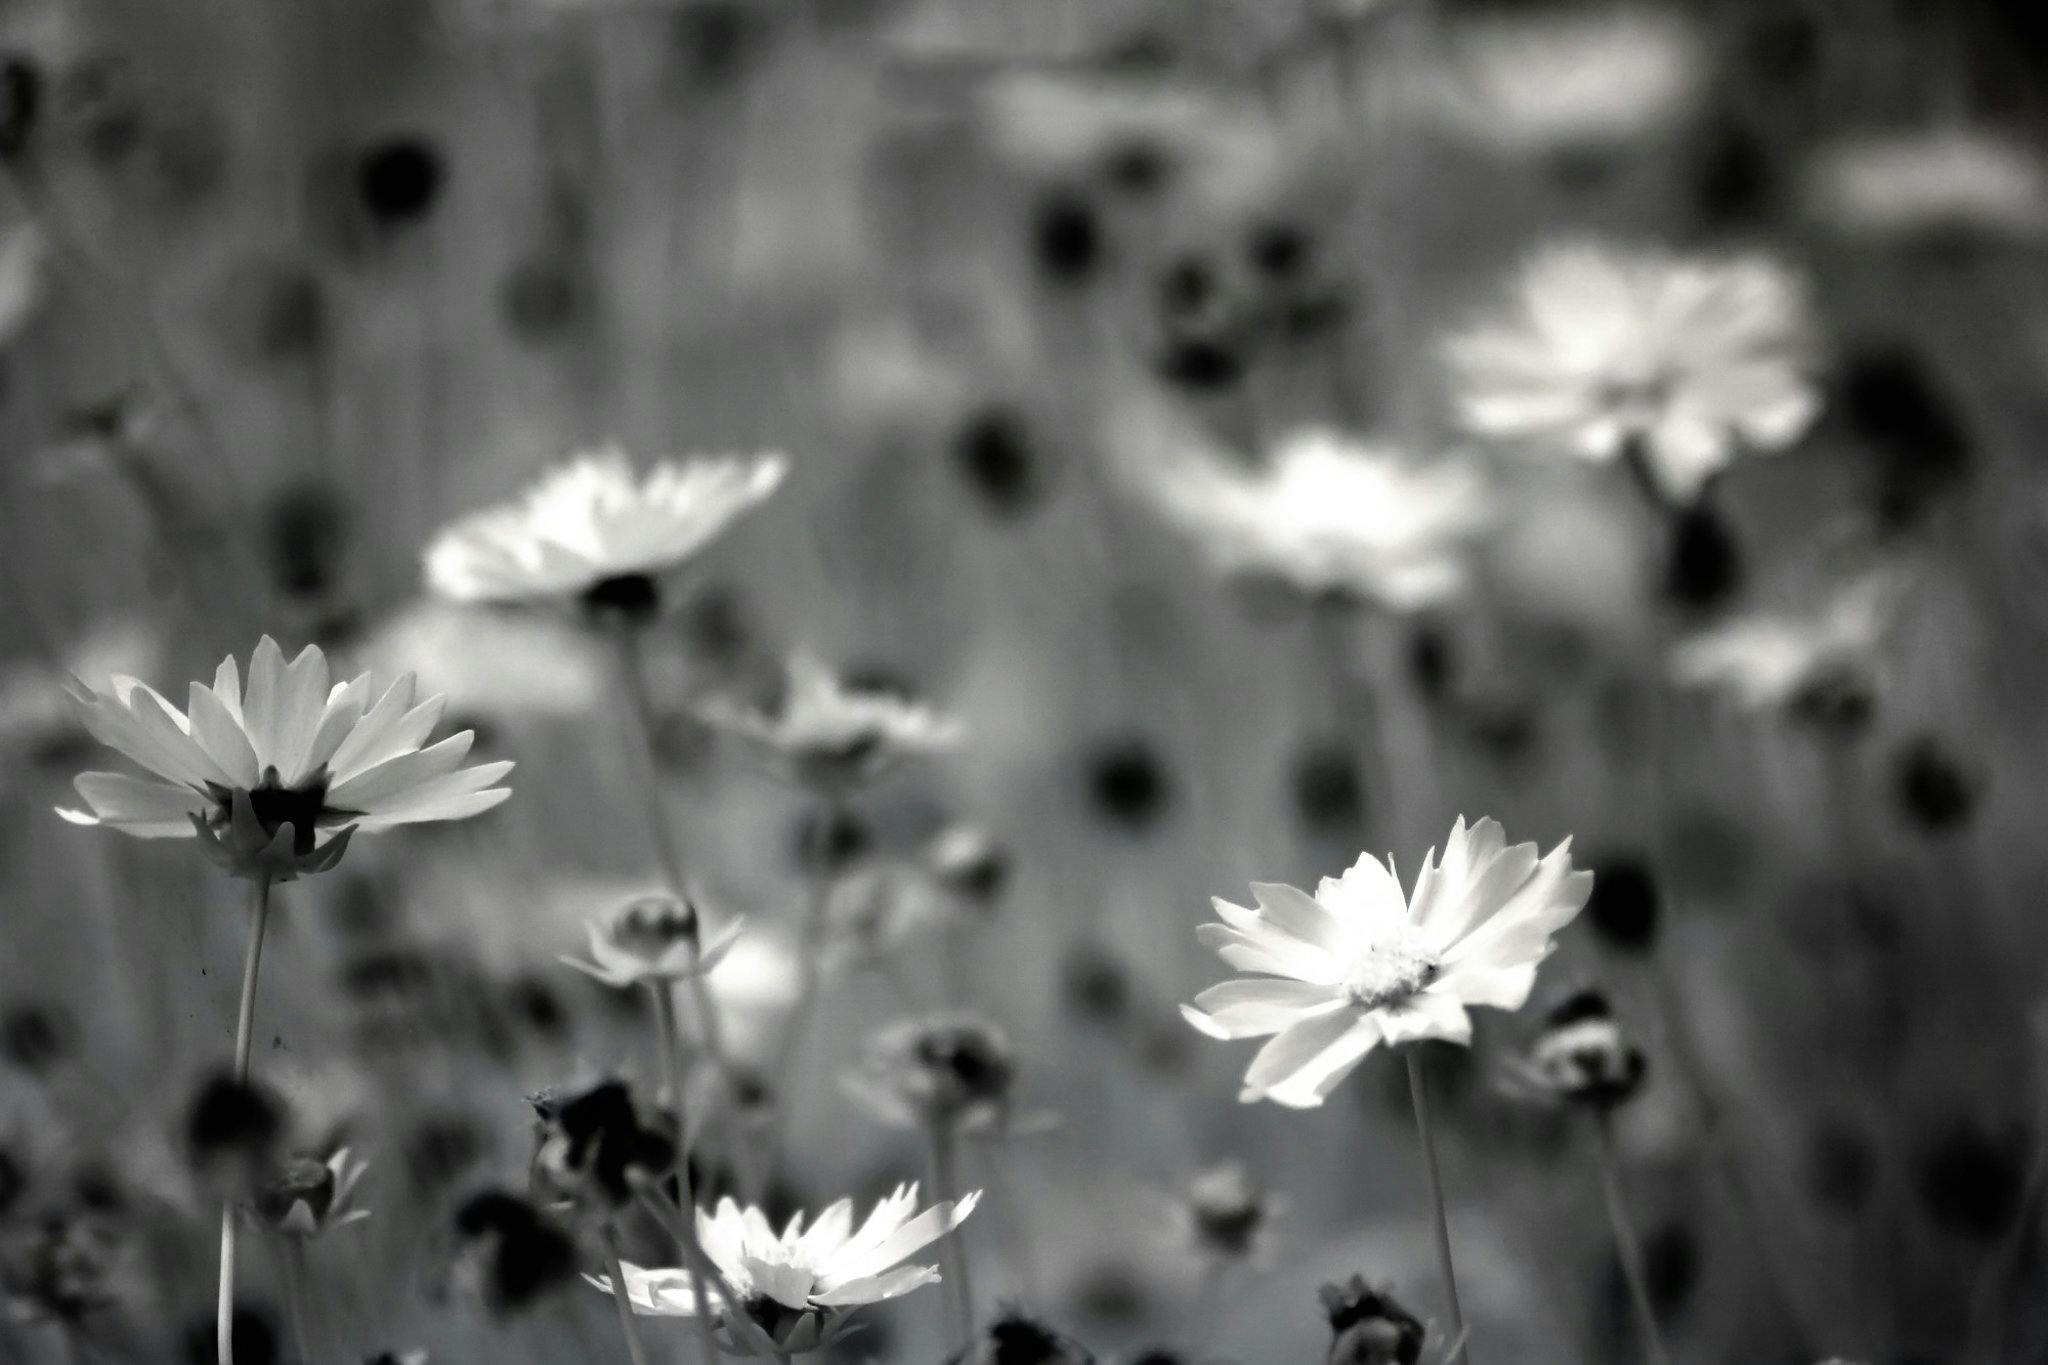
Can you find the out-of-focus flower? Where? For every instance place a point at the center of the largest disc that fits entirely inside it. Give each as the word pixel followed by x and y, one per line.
pixel 232 1134
pixel 970 865
pixel 595 1145
pixel 260 777
pixel 1929 184
pixel 1682 363
pixel 946 1071
pixel 802 1286
pixel 1330 515
pixel 1355 965
pixel 415 1357
pixel 1013 1336
pixel 492 664
pixel 594 531
pixel 1573 83
pixel 828 734
pixel 872 910
pixel 1582 1057
pixel 509 1253
pixel 39 723
pixel 1226 1212
pixel 1368 1328
pixel 305 1198
pixel 652 939
pixel 1823 664
pixel 66 1266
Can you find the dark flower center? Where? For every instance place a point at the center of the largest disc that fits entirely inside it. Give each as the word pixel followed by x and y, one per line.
pixel 631 596
pixel 277 805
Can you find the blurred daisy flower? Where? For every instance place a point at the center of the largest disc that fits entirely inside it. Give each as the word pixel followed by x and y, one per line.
pixel 1356 965
pixel 39 723
pixel 596 532
pixel 305 1198
pixel 828 734
pixel 802 1286
pixel 1225 1214
pixel 1582 1057
pixel 1330 515
pixel 1571 83
pixel 261 775
pixel 1821 663
pixel 1680 364
pixel 1930 183
pixel 650 940
pixel 487 664
pixel 949 1072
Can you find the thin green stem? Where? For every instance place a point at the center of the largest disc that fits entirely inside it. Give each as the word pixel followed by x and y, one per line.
pixel 669 1036
pixel 810 951
pixel 621 1299
pixel 1418 1096
pixel 945 1187
pixel 245 1025
pixel 633 681
pixel 1626 1247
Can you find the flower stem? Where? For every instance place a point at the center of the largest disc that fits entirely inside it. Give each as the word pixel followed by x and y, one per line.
pixel 295 1299
pixel 1626 1247
pixel 810 952
pixel 669 1037
pixel 945 1187
pixel 633 681
pixel 621 1299
pixel 245 1023
pixel 1416 1094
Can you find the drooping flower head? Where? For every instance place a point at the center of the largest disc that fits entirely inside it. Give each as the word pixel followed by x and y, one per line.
pixel 1681 363
pixel 800 1286
pixel 305 1198
pixel 829 734
pixel 595 532
pixel 949 1071
pixel 1329 515
pixel 1357 964
pixel 1583 1057
pixel 652 939
pixel 266 775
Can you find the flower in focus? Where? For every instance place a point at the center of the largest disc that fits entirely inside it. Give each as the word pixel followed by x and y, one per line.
pixel 947 1071
pixel 1680 363
pixel 801 1286
pixel 1821 664
pixel 1571 84
pixel 829 734
pixel 260 776
pixel 305 1198
pixel 1331 515
pixel 652 939
pixel 596 532
pixel 1354 966
pixel 1226 1211
pixel 595 1145
pixel 1582 1057
pixel 1368 1328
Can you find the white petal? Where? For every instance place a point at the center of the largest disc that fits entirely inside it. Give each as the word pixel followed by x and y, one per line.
pixel 370 787
pixel 1311 1083
pixel 1294 1048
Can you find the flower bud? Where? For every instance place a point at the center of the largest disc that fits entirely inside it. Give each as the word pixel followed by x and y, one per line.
pixel 1368 1328
pixel 950 1071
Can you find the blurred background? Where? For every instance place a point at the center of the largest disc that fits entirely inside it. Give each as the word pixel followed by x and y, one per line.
pixel 284 288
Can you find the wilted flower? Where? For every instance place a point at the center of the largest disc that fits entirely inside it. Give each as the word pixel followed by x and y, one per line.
pixel 652 939
pixel 1821 664
pixel 1571 83
pixel 305 1198
pixel 945 1071
pixel 800 1287
pixel 1583 1056
pixel 1013 1337
pixel 596 1145
pixel 596 532
pixel 828 734
pixel 1353 966
pixel 1331 515
pixel 1368 1328
pixel 1226 1211
pixel 1681 363
pixel 260 777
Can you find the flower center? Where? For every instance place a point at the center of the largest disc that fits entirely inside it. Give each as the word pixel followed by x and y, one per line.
pixel 632 596
pixel 277 805
pixel 1390 974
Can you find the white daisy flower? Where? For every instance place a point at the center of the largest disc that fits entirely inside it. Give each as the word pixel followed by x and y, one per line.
pixel 262 774
pixel 800 1286
pixel 1570 83
pixel 1682 363
pixel 1796 658
pixel 826 733
pixel 595 531
pixel 1328 514
pixel 652 939
pixel 1356 965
